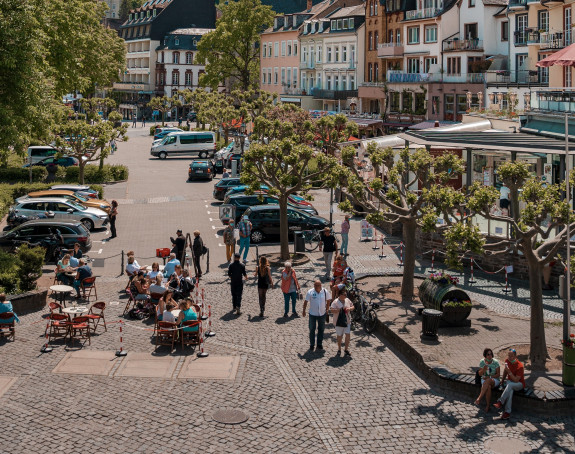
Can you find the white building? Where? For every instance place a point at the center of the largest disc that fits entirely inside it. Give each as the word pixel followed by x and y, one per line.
pixel 331 49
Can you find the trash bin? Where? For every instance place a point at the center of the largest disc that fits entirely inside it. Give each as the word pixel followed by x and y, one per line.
pixel 568 366
pixel 299 243
pixel 430 324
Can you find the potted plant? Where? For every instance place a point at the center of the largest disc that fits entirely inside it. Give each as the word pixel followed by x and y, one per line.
pixel 443 278
pixel 569 349
pixel 455 310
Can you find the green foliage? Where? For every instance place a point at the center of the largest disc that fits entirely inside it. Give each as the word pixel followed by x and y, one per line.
pixel 153 130
pixel 20 271
pixel 94 105
pixel 20 174
pixel 93 174
pixel 461 238
pixel 126 6
pixel 232 50
pixel 331 130
pixel 164 104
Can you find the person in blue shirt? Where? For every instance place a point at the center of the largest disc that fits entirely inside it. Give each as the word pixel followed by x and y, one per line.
pixel 83 272
pixel 6 306
pixel 171 265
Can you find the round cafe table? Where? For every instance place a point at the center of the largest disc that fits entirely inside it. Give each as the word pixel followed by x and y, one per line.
pixel 61 292
pixel 75 311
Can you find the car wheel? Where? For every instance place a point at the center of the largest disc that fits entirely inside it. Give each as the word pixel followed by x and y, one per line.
pixel 163 155
pixel 257 236
pixel 88 224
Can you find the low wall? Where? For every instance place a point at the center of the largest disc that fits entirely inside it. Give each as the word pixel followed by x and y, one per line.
pixel 25 303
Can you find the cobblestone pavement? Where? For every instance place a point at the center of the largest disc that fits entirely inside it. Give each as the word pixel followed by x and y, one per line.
pixel 297 401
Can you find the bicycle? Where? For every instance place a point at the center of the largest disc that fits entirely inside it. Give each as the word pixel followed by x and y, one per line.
pixel 364 311
pixel 312 238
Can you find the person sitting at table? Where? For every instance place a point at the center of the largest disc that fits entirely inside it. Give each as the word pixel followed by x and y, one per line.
pixel 77 253
pixel 171 265
pixel 175 282
pixel 139 287
pixel 82 273
pixel 166 299
pixel 6 306
pixel 132 267
pixel 167 315
pixel 187 284
pixel 155 271
pixel 157 286
pixel 187 313
pixel 62 268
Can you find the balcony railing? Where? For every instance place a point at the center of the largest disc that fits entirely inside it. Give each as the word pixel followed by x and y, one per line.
pixel 307 64
pixel 131 86
pixel 517 4
pixel 399 77
pixel 520 37
pixel 421 13
pixel 551 40
pixel 554 100
pixel 463 45
pixel 333 94
pixel 390 50
pixel 515 78
pixel 402 77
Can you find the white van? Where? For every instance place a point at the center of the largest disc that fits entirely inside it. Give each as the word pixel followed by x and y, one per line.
pixel 201 144
pixel 38 152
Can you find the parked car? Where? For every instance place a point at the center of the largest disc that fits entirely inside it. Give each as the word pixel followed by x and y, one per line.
pixel 201 169
pixel 84 191
pixel 63 209
pixel 243 201
pixel 163 132
pixel 70 195
pixel 234 157
pixel 297 200
pixel 65 161
pixel 241 189
pixel 223 185
pixel 197 144
pixel 36 230
pixel 265 221
pixel 38 152
pixel 192 116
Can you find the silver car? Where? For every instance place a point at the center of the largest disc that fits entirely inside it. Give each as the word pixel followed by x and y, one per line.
pixel 92 218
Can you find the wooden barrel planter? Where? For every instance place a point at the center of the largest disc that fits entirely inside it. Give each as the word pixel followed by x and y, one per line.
pixel 435 295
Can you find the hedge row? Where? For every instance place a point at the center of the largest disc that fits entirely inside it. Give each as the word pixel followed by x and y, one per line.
pixel 93 174
pixel 21 174
pixel 10 192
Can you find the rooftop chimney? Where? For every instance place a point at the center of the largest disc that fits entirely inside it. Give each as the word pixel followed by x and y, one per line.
pixel 309 4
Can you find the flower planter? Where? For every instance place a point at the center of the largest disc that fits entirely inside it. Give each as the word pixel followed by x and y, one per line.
pixel 433 295
pixel 25 303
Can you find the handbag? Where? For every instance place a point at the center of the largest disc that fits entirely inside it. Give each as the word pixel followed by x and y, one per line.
pixel 341 319
pixel 236 234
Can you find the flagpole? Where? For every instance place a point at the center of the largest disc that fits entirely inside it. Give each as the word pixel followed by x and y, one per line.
pixel 567 309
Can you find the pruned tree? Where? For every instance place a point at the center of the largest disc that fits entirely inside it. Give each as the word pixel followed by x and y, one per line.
pixel 331 130
pixel 538 230
pixel 164 104
pixel 414 181
pixel 285 120
pixel 231 51
pixel 94 105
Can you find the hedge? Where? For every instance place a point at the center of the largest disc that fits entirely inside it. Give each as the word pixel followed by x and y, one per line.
pixel 22 174
pixel 93 174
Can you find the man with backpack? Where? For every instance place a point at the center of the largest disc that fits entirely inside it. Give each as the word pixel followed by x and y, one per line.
pixel 198 249
pixel 319 300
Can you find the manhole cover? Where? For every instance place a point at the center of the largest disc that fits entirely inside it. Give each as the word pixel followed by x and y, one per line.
pixel 505 445
pixel 230 416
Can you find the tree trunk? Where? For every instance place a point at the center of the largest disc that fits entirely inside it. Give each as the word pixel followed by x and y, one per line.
pixel 163 117
pixel 81 166
pixel 284 228
pixel 409 229
pixel 538 347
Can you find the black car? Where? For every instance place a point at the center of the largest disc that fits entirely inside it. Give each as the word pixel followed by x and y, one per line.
pixel 243 201
pixel 219 165
pixel 37 230
pixel 201 169
pixel 265 221
pixel 222 186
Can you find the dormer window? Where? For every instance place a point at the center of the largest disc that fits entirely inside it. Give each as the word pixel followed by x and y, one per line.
pixel 333 23
pixel 195 43
pixel 345 24
pixel 351 22
pixel 154 13
pixel 313 27
pixel 294 23
pixel 339 24
pixel 148 13
pixel 130 16
pixel 276 22
pixel 177 41
pixel 306 29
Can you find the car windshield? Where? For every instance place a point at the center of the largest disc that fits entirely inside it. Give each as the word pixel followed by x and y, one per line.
pixel 81 198
pixel 76 206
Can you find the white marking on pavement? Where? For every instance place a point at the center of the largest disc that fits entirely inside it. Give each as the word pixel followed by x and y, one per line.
pixel 207 206
pixel 214 227
pixel 211 220
pixel 217 236
pixel 100 251
pixel 220 245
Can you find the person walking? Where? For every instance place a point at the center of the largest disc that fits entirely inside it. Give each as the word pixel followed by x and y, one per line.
pixel 264 277
pixel 290 288
pixel 198 250
pixel 237 274
pixel 319 300
pixel 515 373
pixel 345 226
pixel 134 121
pixel 143 121
pixel 327 244
pixel 340 309
pixel 112 216
pixel 113 146
pixel 245 228
pixel 179 245
pixel 230 241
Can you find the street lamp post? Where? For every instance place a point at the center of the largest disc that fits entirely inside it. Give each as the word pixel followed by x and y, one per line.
pixel 567 306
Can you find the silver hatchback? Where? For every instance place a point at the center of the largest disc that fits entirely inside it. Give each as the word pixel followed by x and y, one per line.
pixel 92 218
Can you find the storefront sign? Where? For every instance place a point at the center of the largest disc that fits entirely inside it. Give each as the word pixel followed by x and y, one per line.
pixel 486 177
pixel 367 231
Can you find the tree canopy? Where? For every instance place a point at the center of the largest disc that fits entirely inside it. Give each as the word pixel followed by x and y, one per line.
pixel 231 51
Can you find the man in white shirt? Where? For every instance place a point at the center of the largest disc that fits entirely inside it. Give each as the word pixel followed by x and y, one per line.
pixel 171 265
pixel 319 300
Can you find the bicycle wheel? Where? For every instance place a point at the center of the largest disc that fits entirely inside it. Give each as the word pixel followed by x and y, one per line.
pixel 370 321
pixel 311 241
pixel 357 311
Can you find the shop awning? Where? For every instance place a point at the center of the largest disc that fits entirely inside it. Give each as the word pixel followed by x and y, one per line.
pixel 290 99
pixel 554 129
pixel 501 141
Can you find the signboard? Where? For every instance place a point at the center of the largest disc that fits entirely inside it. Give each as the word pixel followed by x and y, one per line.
pixel 367 231
pixel 509 269
pixel 486 177
pixel 227 213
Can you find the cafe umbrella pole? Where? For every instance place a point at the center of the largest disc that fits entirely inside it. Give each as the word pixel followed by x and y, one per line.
pixel 567 307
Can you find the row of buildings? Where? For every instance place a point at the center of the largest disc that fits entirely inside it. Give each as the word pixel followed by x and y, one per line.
pixel 409 60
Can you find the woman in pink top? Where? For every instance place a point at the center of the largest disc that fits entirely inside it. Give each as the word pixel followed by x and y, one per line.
pixel 344 235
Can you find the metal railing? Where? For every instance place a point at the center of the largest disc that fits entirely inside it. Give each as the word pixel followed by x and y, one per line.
pixel 463 44
pixel 514 78
pixel 516 4
pixel 307 64
pixel 556 100
pixel 333 94
pixel 421 13
pixel 389 49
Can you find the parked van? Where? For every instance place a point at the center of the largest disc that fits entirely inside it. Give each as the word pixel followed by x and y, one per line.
pixel 38 152
pixel 200 144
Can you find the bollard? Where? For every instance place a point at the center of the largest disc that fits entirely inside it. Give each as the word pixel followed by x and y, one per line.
pixel 381 255
pixel 202 353
pixel 506 289
pixel 375 246
pixel 433 261
pixel 46 348
pixel 400 254
pixel 204 316
pixel 121 352
pixel 471 281
pixel 210 333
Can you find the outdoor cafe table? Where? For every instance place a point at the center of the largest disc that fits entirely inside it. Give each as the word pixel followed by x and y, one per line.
pixel 75 311
pixel 61 292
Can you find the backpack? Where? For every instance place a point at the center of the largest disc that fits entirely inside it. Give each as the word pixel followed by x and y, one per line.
pixel 341 319
pixel 204 250
pixel 137 314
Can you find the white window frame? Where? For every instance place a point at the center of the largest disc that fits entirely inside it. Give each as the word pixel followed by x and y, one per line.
pixel 427 29
pixel 328 56
pixel 276 49
pixel 283 54
pixel 410 35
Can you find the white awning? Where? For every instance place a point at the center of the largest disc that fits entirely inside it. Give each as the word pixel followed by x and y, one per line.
pixel 290 99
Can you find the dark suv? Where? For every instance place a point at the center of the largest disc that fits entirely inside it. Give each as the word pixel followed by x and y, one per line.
pixel 243 201
pixel 222 186
pixel 265 221
pixel 40 229
pixel 201 169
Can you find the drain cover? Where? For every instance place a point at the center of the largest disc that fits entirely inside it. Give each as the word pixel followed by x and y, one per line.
pixel 230 416
pixel 506 445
